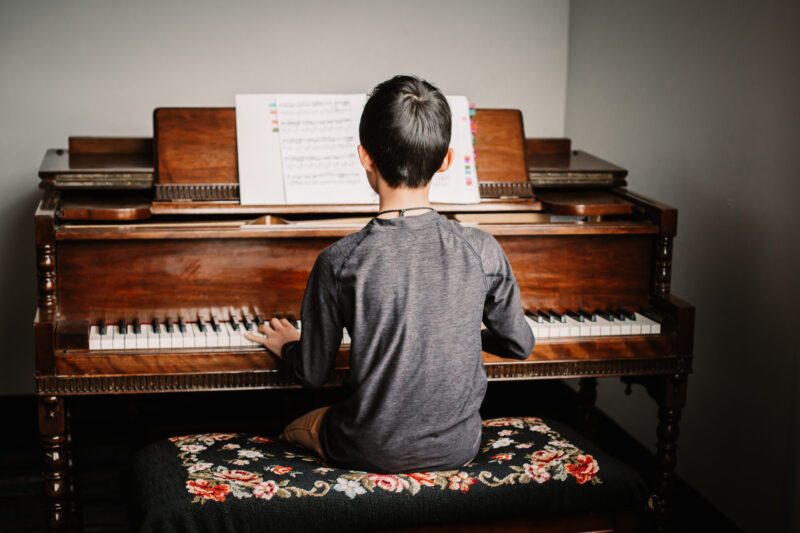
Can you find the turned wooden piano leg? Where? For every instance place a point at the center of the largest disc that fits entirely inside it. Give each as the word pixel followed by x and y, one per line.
pixel 670 394
pixel 59 487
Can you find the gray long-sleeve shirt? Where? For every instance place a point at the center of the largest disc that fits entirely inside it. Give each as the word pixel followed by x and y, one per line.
pixel 412 292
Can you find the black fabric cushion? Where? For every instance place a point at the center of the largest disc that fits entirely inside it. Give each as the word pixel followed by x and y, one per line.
pixel 240 482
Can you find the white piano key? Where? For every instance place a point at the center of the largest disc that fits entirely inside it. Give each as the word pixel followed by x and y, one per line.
pixel 198 337
pixel 212 337
pixel 152 337
pixel 235 339
pixel 648 323
pixel 94 338
pixel 578 329
pixel 118 340
pixel 223 338
pixel 604 327
pixel 140 339
pixel 176 338
pixel 107 340
pixel 539 332
pixel 345 337
pixel 616 328
pixel 625 327
pixel 164 338
pixel 644 323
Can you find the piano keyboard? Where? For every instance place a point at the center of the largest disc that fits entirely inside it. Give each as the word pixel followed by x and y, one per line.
pixel 160 335
pixel 548 324
pixel 170 335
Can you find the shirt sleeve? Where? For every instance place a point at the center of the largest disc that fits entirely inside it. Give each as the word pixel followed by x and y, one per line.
pixel 507 333
pixel 310 360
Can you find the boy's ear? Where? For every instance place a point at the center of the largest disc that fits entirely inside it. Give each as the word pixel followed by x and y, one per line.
pixel 366 160
pixel 447 161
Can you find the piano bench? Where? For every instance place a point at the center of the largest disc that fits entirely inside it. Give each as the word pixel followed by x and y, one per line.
pixel 530 475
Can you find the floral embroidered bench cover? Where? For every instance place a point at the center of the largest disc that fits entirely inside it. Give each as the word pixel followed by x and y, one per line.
pixel 240 482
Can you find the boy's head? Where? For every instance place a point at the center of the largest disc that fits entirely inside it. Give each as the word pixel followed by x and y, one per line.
pixel 405 129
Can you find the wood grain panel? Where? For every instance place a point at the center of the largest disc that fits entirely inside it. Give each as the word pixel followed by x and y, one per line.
pixel 127 279
pixel 582 271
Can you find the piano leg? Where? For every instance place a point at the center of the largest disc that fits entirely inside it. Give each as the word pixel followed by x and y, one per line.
pixel 670 394
pixel 55 440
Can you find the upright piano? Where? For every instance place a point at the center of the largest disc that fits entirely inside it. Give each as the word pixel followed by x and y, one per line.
pixel 149 270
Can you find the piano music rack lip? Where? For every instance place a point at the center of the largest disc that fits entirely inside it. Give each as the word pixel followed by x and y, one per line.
pixel 165 231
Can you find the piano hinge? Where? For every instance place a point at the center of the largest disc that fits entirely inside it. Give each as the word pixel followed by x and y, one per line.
pixel 500 189
pixel 197 192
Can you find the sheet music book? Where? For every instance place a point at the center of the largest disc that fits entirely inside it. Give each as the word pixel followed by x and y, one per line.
pixel 302 149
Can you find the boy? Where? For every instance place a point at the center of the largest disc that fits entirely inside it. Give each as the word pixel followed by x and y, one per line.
pixel 412 289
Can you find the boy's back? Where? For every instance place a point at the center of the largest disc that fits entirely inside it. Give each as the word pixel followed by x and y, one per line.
pixel 412 292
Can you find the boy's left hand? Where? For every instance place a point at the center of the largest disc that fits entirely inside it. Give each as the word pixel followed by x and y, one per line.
pixel 277 332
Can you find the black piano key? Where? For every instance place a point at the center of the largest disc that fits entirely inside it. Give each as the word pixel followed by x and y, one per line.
pixel 557 317
pixel 168 325
pixel 575 316
pixel 155 325
pixel 102 328
pixel 533 316
pixel 247 324
pixel 292 320
pixel 630 315
pixel 181 325
pixel 259 320
pixel 604 315
pixel 123 327
pixel 616 314
pixel 137 326
pixel 545 316
pixel 215 325
pixel 591 317
pixel 201 324
pixel 234 323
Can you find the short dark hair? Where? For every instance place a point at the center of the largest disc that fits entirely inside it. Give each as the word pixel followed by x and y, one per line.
pixel 405 128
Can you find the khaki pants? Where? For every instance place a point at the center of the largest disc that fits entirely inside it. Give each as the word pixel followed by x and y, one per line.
pixel 305 431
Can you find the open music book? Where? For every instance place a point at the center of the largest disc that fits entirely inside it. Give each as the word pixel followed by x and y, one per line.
pixel 302 149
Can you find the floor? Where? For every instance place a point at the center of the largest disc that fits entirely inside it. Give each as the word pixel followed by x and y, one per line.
pixel 108 429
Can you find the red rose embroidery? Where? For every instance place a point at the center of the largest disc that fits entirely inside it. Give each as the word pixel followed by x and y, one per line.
pixel 280 470
pixel 502 456
pixel 585 470
pixel 204 489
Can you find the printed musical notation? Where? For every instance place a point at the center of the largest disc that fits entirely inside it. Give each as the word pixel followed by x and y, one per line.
pixel 302 149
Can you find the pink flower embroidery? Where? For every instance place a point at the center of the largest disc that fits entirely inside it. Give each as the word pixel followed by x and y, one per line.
pixel 389 483
pixel 241 476
pixel 192 448
pixel 461 481
pixel 548 456
pixel 204 489
pixel 265 490
pixel 230 446
pixel 537 471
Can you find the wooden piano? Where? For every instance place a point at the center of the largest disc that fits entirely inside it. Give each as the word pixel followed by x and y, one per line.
pixel 149 267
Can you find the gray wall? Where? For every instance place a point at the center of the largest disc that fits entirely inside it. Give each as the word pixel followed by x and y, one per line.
pixel 101 67
pixel 699 100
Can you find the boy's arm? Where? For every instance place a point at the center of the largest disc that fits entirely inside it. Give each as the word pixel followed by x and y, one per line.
pixel 507 333
pixel 309 357
pixel 310 360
